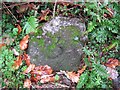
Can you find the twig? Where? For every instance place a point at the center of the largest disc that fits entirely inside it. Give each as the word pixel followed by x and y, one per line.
pixel 12 6
pixel 54 8
pixel 10 12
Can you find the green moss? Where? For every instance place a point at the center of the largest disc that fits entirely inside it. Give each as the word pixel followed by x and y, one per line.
pixel 71 33
pixel 64 37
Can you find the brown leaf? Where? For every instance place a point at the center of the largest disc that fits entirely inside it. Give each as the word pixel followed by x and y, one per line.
pixel 29 69
pixel 19 28
pixel 65 3
pixel 112 63
pixel 82 70
pixel 111 12
pixel 27 83
pixel 1 45
pixel 73 76
pixel 34 79
pixel 47 79
pixel 27 59
pixel 42 70
pixel 23 42
pixel 44 14
pixel 17 62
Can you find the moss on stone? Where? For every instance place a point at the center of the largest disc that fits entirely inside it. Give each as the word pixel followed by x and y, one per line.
pixel 70 33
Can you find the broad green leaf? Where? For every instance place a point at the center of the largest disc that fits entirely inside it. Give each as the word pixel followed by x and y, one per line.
pixel 31 25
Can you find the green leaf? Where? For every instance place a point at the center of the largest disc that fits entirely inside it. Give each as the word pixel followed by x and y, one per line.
pixel 31 25
pixel 100 70
pixel 57 77
pixel 15 31
pixel 86 61
pixel 83 79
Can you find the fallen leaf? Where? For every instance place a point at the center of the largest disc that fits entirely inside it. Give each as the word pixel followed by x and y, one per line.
pixel 44 14
pixel 47 79
pixel 29 69
pixel 42 70
pixel 23 42
pixel 1 45
pixel 17 62
pixel 19 28
pixel 48 70
pixel 34 79
pixel 27 59
pixel 112 63
pixel 73 76
pixel 82 70
pixel 66 3
pixel 27 83
pixel 111 12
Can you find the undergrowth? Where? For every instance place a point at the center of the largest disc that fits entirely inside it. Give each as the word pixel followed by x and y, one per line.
pixel 103 34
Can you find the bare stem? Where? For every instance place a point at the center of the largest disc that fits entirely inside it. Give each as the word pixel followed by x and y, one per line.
pixel 54 8
pixel 10 11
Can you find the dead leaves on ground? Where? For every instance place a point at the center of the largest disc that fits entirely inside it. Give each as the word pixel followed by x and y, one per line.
pixel 29 69
pixel 112 63
pixel 18 62
pixel 26 57
pixel 20 58
pixel 74 77
pixel 82 70
pixel 110 13
pixel 1 45
pixel 19 28
pixel 42 73
pixel 27 83
pixel 44 14
pixel 23 43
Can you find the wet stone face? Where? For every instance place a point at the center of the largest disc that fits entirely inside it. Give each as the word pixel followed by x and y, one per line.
pixel 60 44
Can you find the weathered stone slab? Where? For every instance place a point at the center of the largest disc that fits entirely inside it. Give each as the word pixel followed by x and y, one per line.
pixel 60 45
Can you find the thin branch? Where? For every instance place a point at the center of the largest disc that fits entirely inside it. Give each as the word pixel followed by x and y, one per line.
pixel 54 8
pixel 12 6
pixel 10 12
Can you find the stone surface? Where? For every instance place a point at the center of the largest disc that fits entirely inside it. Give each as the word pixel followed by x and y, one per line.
pixel 60 45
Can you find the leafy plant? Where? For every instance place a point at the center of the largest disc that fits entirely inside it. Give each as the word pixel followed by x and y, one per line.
pixel 30 25
pixel 95 76
pixel 10 77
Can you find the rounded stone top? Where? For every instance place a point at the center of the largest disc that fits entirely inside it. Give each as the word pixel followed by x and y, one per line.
pixel 55 24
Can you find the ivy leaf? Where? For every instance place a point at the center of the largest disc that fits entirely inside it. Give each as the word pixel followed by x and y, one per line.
pixel 83 79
